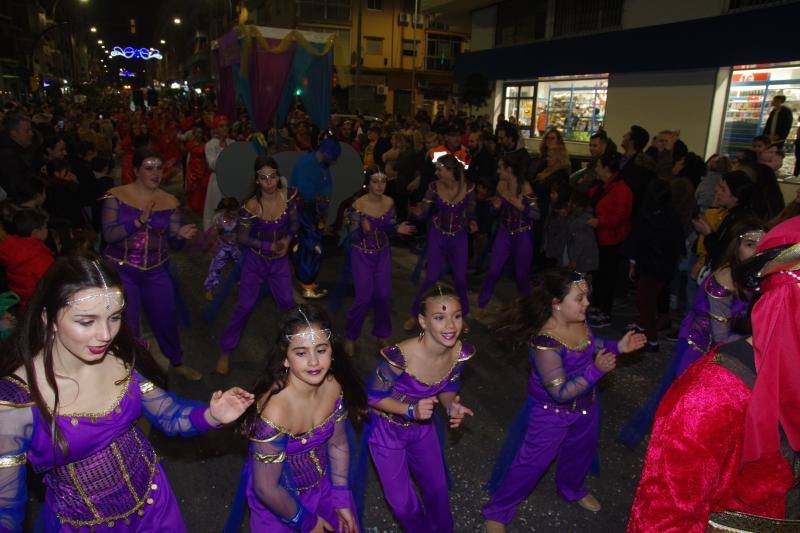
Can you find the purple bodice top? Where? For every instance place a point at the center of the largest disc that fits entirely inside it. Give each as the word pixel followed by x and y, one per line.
pixel 108 471
pixel 380 228
pixel 392 379
pixel 449 218
pixel 260 234
pixel 516 221
pixel 563 376
pixel 146 247
pixel 710 319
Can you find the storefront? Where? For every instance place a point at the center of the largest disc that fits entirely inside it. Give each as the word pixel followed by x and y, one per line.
pixel 749 100
pixel 575 105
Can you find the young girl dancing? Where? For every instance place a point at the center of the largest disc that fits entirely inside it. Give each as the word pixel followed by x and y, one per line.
pixel 226 247
pixel 414 376
pixel 452 201
pixel 296 475
pixel 717 307
pixel 74 385
pixel 370 220
pixel 560 417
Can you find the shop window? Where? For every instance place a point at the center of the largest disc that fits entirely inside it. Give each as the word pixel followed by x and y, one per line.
pixel 442 52
pixel 519 106
pixel 374 45
pixel 375 5
pixel 408 47
pixel 749 105
pixel 520 21
pixel 586 16
pixel 327 10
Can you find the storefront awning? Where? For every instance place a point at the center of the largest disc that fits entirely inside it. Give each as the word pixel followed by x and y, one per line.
pixel 767 35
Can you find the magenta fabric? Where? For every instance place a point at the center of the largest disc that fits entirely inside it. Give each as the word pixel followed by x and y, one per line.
pixel 268 74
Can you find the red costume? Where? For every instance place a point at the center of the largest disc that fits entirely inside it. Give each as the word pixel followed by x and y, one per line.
pixel 197 174
pixel 715 444
pixel 25 260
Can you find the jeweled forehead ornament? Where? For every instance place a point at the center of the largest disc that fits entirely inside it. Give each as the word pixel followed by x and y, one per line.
pixel 113 296
pixel 580 283
pixel 316 336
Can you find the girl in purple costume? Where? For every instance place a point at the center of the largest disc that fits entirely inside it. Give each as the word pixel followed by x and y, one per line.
pixel 296 475
pixel 370 221
pixel 140 222
pixel 267 224
pixel 560 418
pixel 517 205
pixel 75 358
pixel 414 376
pixel 717 306
pixel 452 201
pixel 226 247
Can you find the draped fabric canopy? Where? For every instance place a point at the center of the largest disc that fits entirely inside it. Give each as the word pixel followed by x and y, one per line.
pixel 264 72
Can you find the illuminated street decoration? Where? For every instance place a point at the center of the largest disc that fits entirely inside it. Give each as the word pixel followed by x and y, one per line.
pixel 135 53
pixel 126 74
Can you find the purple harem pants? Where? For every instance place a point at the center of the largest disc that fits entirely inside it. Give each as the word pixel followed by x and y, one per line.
pixel 400 453
pixel 257 270
pixel 153 290
pixel 227 252
pixel 441 248
pixel 568 436
pixel 520 246
pixel 372 277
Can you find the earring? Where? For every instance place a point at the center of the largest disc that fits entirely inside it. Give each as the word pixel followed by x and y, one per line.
pixel 558 308
pixel 421 335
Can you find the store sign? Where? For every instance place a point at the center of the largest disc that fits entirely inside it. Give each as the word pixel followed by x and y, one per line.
pixel 135 53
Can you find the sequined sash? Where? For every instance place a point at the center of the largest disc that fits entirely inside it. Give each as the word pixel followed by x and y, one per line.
pixel 111 484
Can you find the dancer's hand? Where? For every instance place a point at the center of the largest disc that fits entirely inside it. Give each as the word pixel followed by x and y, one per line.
pixel 322 526
pixel 457 412
pixel 406 228
pixel 631 342
pixel 347 522
pixel 225 407
pixel 424 408
pixel 605 361
pixel 702 226
pixel 187 232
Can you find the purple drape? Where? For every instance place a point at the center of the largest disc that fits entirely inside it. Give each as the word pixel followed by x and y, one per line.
pixel 268 74
pixel 226 92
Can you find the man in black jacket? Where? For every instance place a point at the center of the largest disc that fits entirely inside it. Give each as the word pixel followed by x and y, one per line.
pixel 779 122
pixel 637 169
pixel 17 135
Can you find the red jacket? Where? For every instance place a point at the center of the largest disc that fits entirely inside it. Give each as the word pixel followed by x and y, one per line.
pixel 25 259
pixel 613 213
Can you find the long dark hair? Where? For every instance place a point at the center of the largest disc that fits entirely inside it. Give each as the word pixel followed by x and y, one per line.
pixel 730 248
pixel 451 163
pixel 526 316
pixel 273 378
pixel 35 332
pixel 261 162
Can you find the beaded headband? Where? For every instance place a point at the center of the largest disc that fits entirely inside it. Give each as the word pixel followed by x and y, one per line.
pixel 113 296
pixel 754 235
pixel 316 336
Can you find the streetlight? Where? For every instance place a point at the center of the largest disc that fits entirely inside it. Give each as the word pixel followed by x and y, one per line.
pixel 93 29
pixel 176 20
pixel 163 41
pixel 99 41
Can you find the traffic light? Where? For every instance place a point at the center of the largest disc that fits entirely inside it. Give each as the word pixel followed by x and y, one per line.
pixel 298 91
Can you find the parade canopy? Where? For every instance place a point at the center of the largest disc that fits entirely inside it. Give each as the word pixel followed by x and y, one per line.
pixel 266 67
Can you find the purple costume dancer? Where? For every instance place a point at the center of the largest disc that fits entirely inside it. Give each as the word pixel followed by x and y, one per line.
pixel 562 417
pixel 707 324
pixel 262 265
pixel 226 250
pixel 513 237
pixel 141 257
pixel 110 478
pixel 447 241
pixel 402 448
pixel 371 263
pixel 293 479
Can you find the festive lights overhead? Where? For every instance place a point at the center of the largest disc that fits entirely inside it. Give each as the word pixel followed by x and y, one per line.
pixel 135 53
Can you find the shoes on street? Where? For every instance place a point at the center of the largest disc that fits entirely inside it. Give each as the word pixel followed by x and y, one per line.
pixel 223 365
pixel 600 321
pixel 410 324
pixel 590 503
pixel 494 527
pixel 349 347
pixel 187 372
pixel 673 335
pixel 651 347
pixel 314 293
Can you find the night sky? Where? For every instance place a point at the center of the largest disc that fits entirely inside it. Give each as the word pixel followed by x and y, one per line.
pixel 112 18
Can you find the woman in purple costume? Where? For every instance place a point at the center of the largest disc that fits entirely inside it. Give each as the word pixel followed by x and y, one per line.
pixel 717 307
pixel 414 376
pixel 72 391
pixel 267 224
pixel 452 201
pixel 140 222
pixel 226 246
pixel 297 472
pixel 370 221
pixel 517 205
pixel 560 418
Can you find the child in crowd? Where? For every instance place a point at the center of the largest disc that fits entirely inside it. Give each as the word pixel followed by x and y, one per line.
pixel 556 226
pixel 226 247
pixel 582 253
pixel 23 253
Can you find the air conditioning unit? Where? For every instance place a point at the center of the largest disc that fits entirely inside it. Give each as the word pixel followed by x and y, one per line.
pixel 404 18
pixel 382 90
